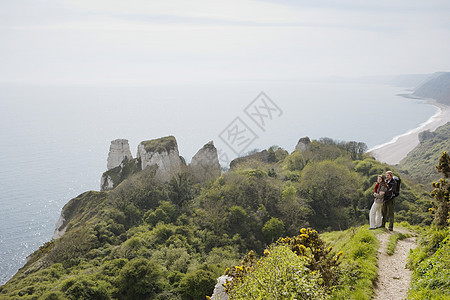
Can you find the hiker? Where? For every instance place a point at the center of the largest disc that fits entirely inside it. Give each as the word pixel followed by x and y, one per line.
pixel 375 215
pixel 389 201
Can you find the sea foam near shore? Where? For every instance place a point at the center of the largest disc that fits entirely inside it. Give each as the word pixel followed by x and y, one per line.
pixel 398 147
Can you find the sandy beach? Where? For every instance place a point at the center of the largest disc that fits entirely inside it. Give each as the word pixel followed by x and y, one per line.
pixel 397 149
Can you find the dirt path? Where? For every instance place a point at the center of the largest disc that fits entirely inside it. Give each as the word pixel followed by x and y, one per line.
pixel 393 278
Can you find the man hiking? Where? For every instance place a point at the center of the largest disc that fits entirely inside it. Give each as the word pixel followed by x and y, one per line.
pixel 389 201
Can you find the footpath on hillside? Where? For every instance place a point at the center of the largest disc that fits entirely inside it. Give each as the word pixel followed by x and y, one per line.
pixel 393 277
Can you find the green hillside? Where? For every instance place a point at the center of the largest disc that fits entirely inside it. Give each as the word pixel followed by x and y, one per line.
pixel 437 87
pixel 301 267
pixel 421 161
pixel 148 240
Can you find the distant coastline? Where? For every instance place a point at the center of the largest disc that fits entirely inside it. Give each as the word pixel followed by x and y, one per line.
pixel 398 148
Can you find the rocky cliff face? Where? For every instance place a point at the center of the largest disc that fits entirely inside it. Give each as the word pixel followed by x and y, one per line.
pixel 163 153
pixel 303 144
pixel 60 227
pixel 74 209
pixel 119 155
pixel 205 164
pixel 219 290
pixel 111 178
pixel 106 182
pixel 118 151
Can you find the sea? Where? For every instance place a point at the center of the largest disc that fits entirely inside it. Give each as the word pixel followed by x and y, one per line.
pixel 54 139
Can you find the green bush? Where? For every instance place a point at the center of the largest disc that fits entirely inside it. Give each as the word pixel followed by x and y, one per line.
pixel 273 229
pixel 197 285
pixel 86 287
pixel 53 295
pixel 280 275
pixel 139 279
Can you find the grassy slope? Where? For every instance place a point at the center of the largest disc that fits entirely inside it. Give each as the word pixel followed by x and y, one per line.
pixel 420 162
pixel 430 262
pixel 359 261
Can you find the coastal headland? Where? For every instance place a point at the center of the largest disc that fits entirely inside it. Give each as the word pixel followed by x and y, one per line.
pixel 398 148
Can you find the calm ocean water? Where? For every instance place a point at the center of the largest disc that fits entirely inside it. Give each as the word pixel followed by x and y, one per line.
pixel 54 140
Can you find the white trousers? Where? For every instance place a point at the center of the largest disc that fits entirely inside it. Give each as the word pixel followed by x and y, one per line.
pixel 375 215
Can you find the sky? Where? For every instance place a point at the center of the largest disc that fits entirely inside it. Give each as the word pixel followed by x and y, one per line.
pixel 175 41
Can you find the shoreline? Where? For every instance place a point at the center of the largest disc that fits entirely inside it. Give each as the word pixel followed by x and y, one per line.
pixel 398 147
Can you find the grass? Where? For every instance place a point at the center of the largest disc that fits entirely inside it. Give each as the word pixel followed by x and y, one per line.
pixel 393 240
pixel 359 261
pixel 430 263
pixel 160 145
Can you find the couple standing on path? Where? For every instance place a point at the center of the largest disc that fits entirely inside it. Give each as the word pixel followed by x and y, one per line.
pixel 384 202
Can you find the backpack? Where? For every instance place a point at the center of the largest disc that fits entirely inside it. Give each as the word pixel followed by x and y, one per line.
pixel 398 182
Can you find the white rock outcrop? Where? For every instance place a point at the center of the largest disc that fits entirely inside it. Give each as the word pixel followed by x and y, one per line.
pixel 303 144
pixel 118 150
pixel 219 289
pixel 59 228
pixel 106 183
pixel 163 153
pixel 205 164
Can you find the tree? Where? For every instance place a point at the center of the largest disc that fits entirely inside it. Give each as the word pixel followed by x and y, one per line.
pixel 355 149
pixel 236 218
pixel 273 229
pixel 333 190
pixel 180 189
pixel 295 162
pixel 166 212
pixel 294 210
pixel 197 285
pixel 441 193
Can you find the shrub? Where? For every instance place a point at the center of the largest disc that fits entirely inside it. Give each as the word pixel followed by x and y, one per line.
pixel 197 285
pixel 273 229
pixel 54 295
pixel 309 243
pixel 85 287
pixel 139 279
pixel 316 264
pixel 291 280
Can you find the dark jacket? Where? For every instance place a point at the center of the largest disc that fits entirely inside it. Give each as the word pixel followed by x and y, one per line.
pixel 389 194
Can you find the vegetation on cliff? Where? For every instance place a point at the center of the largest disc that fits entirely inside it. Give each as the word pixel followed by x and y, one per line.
pixel 431 259
pixel 165 144
pixel 118 174
pixel 420 163
pixel 147 240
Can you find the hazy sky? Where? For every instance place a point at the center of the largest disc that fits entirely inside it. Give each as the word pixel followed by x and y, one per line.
pixel 145 41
